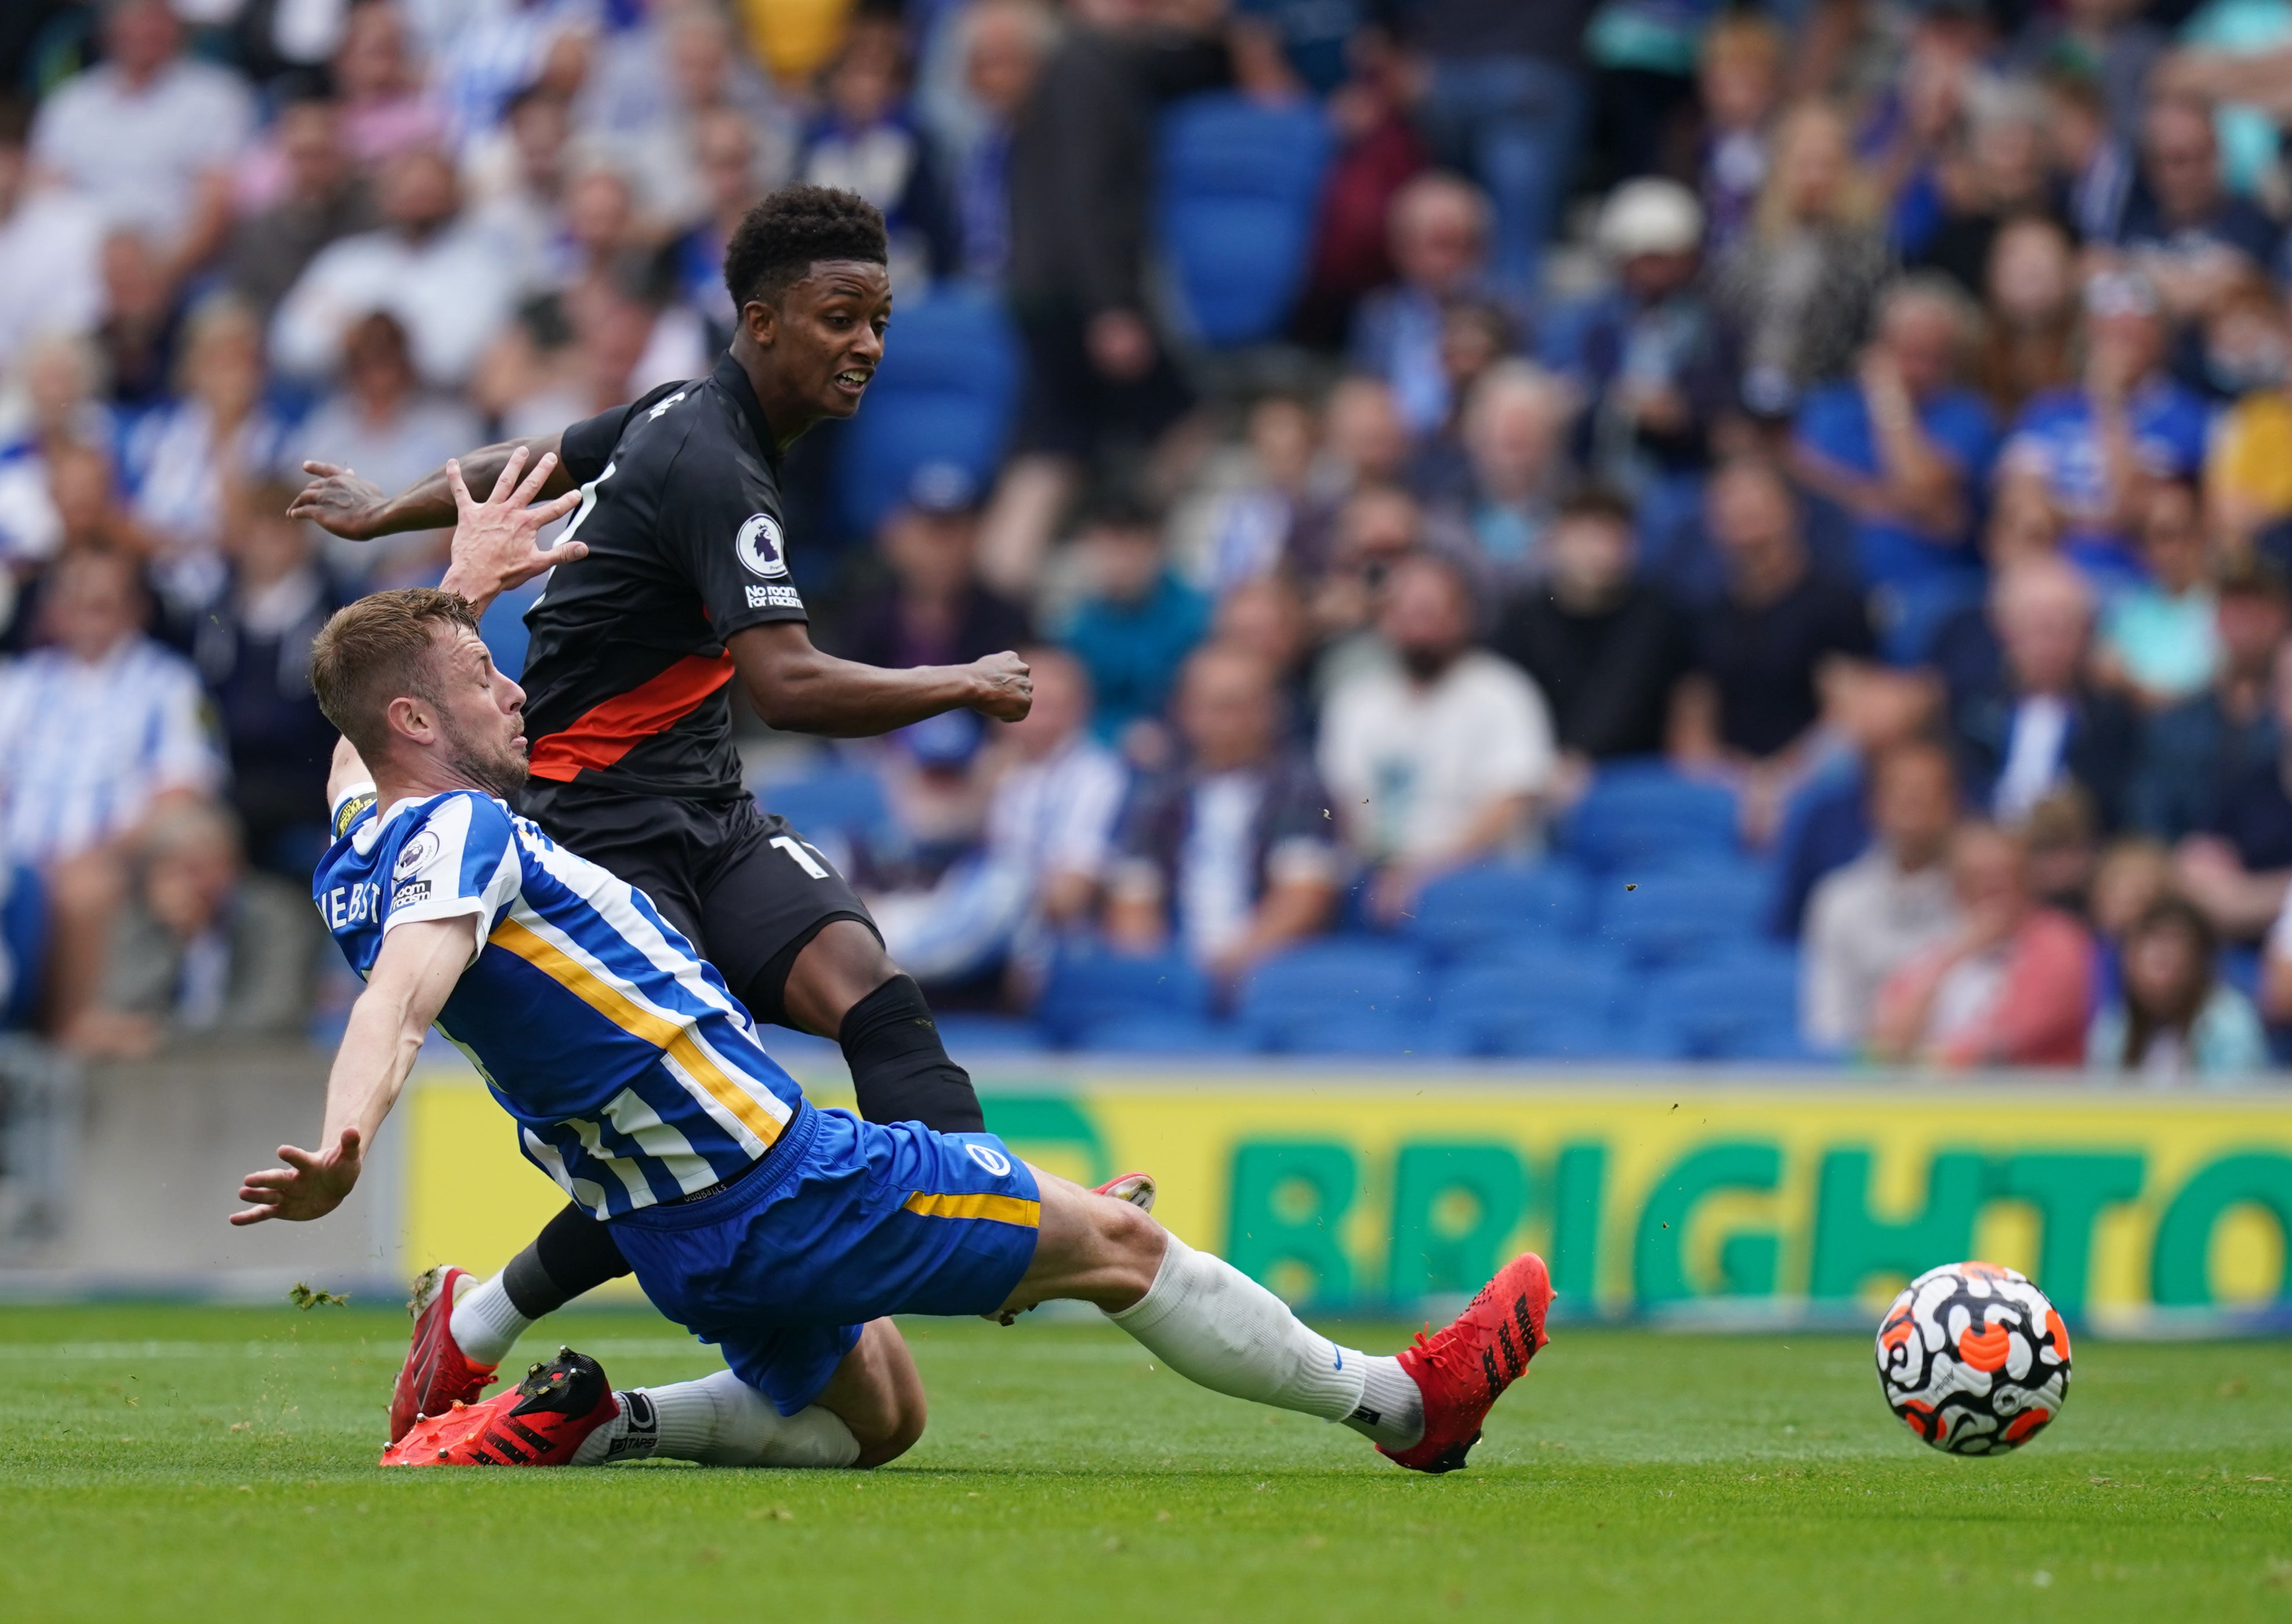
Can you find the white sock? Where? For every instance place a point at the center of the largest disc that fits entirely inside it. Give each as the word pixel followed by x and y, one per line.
pixel 486 1323
pixel 1216 1326
pixel 719 1421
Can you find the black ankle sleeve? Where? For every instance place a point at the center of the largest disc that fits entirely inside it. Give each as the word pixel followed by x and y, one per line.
pixel 573 1253
pixel 900 1069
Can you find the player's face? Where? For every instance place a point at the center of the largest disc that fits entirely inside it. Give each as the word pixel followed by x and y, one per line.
pixel 830 337
pixel 481 716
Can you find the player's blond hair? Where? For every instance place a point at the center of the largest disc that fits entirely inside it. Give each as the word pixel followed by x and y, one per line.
pixel 376 651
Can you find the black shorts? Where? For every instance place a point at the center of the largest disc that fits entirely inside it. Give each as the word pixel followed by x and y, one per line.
pixel 743 886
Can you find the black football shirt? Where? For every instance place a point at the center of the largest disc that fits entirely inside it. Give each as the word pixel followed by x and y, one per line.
pixel 627 680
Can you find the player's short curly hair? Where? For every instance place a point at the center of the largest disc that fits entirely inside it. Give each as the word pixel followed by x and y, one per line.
pixel 780 240
pixel 376 651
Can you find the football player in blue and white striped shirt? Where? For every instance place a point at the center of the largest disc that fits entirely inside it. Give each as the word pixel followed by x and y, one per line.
pixel 784 1233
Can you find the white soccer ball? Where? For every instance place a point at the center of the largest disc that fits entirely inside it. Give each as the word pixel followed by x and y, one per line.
pixel 1973 1359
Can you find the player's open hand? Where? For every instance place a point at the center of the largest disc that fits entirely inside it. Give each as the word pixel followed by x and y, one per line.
pixel 311 1185
pixel 337 500
pixel 496 542
pixel 1007 689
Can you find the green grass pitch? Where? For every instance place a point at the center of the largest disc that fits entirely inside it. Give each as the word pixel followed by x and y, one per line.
pixel 185 1464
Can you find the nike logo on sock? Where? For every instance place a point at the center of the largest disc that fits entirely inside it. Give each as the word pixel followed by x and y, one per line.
pixel 1340 1353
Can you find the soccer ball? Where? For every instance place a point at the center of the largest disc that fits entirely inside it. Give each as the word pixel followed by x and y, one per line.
pixel 1973 1359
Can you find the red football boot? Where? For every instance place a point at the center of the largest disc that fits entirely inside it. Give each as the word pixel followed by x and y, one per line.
pixel 1463 1369
pixel 1136 1188
pixel 436 1374
pixel 539 1423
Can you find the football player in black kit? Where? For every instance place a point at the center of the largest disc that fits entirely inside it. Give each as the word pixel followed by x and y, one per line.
pixel 682 591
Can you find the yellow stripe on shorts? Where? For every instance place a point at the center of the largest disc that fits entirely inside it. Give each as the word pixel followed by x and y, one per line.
pixel 995 1208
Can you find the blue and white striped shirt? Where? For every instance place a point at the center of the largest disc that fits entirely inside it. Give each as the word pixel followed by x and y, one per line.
pixel 634 1075
pixel 86 746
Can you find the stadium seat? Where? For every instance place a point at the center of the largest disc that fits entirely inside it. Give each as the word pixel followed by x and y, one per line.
pixel 965 1032
pixel 1552 1001
pixel 1240 186
pixel 1672 915
pixel 945 392
pixel 1162 1034
pixel 1088 987
pixel 1295 1001
pixel 1642 811
pixel 836 803
pixel 1743 1008
pixel 1468 911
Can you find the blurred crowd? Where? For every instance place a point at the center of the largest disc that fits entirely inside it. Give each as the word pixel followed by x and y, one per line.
pixel 1816 473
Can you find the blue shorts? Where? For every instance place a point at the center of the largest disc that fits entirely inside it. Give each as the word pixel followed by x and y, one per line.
pixel 846 1221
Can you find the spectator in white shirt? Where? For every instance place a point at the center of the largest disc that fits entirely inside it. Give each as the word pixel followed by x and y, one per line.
pixel 97 733
pixel 149 134
pixel 445 281
pixel 1437 759
pixel 384 426
pixel 1050 830
pixel 1867 919
pixel 50 241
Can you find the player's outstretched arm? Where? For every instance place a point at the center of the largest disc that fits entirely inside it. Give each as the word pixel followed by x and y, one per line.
pixel 797 688
pixel 338 500
pixel 412 975
pixel 496 542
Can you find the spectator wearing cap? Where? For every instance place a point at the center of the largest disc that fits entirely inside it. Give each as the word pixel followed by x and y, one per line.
pixel 439 276
pixel 2044 724
pixel 1646 352
pixel 201 948
pixel 148 134
pixel 2192 752
pixel 1439 236
pixel 932 610
pixel 2184 227
pixel 1905 447
pixel 2091 449
pixel 1135 621
pixel 1049 822
pixel 1748 705
pixel 383 424
pixel 2237 866
pixel 1232 852
pixel 1440 753
pixel 1602 646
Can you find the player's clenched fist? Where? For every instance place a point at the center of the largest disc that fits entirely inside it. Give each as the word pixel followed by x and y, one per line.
pixel 1007 690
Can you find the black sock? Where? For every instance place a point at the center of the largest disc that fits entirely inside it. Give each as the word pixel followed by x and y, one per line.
pixel 900 1069
pixel 573 1253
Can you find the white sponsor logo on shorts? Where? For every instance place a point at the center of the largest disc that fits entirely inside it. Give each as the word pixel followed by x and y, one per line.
pixel 993 1160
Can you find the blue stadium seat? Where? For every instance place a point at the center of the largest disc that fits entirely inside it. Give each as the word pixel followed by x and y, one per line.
pixel 1642 811
pixel 1240 186
pixel 1088 987
pixel 1162 1034
pixel 1745 1007
pixel 966 1032
pixel 1292 1000
pixel 1468 911
pixel 945 392
pixel 1671 916
pixel 834 802
pixel 1546 1000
